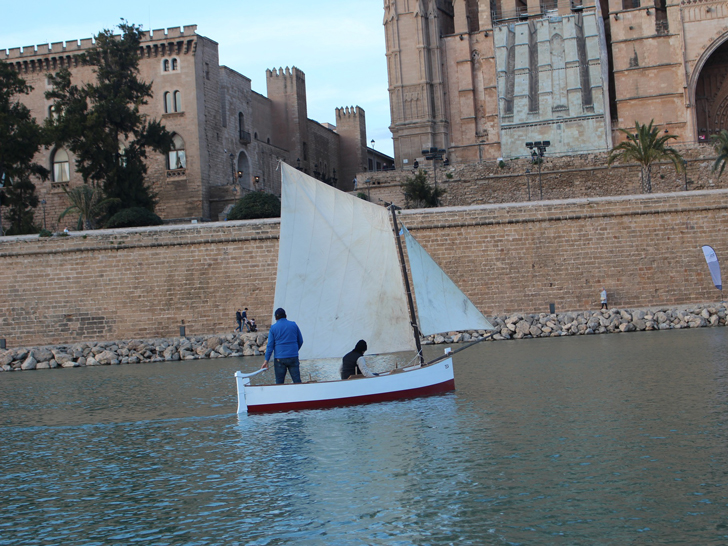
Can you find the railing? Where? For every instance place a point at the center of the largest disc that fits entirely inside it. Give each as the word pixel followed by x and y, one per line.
pixel 244 137
pixel 176 173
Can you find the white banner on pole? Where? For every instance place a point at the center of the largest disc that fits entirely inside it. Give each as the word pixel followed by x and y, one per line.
pixel 713 265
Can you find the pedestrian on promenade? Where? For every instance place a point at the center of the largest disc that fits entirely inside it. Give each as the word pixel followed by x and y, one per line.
pixel 603 298
pixel 285 339
pixel 245 320
pixel 239 319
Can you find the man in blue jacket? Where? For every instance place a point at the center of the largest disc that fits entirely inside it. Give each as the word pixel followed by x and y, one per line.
pixel 285 340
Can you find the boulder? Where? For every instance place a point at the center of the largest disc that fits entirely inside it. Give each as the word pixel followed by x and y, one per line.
pixel 106 357
pixel 62 358
pixel 212 342
pixel 43 354
pixel 29 363
pixel 43 366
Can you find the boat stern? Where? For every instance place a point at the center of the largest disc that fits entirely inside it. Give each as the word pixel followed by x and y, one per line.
pixel 241 380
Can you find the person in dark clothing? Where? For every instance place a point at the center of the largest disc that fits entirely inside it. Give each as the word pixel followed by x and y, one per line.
pixel 239 318
pixel 353 362
pixel 245 320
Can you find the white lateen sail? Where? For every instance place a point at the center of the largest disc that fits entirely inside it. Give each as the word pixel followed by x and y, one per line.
pixel 338 272
pixel 441 305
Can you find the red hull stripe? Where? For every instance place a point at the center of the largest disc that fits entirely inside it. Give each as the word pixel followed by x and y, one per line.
pixel 356 400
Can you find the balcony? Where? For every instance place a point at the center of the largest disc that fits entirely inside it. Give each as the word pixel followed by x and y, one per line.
pixel 244 137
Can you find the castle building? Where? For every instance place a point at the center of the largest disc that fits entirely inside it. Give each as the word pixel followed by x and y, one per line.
pixel 481 78
pixel 228 139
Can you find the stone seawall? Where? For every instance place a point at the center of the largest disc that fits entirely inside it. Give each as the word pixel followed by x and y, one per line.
pixel 144 283
pixel 516 326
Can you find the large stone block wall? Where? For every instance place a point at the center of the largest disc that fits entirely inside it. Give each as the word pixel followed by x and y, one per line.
pixel 136 283
pixel 565 177
pixel 141 283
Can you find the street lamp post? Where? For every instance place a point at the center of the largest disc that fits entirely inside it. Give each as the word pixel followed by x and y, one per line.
pixel 435 154
pixel 43 202
pixel 537 150
pixel 685 173
pixel 3 175
pixel 528 183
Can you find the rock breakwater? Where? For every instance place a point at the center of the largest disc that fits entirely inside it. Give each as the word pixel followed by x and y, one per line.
pixel 133 352
pixel 514 326
pixel 520 326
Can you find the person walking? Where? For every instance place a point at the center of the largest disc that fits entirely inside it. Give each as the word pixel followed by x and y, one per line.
pixel 603 298
pixel 239 319
pixel 245 320
pixel 285 340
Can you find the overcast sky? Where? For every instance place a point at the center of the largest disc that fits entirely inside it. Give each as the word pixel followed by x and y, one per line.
pixel 339 44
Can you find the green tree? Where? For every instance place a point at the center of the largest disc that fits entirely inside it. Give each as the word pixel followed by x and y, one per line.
pixel 256 204
pixel 419 194
pixel 101 121
pixel 720 143
pixel 20 139
pixel 645 146
pixel 21 200
pixel 89 203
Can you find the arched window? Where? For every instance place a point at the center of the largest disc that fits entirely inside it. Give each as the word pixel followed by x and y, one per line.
pixel 53 111
pixel 175 64
pixel 61 166
pixel 165 65
pixel 241 124
pixel 176 159
pixel 168 106
pixel 177 101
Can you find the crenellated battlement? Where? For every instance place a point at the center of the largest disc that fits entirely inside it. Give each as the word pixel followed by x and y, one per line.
pixel 177 35
pixel 349 112
pixel 288 73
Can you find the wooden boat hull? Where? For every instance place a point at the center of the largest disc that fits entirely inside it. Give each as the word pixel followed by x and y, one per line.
pixel 407 383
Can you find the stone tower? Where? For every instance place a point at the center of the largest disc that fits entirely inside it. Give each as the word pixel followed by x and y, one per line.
pixel 287 92
pixel 351 126
pixel 416 86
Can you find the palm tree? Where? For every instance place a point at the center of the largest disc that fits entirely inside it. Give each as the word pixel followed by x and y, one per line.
pixel 720 143
pixel 645 146
pixel 89 203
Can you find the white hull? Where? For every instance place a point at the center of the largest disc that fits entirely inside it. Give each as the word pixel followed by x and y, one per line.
pixel 405 383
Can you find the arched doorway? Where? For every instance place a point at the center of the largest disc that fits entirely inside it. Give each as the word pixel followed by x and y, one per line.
pixel 243 171
pixel 711 93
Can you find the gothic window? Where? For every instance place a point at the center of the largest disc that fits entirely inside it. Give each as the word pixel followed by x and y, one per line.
pixel 172 102
pixel 176 159
pixel 175 65
pixel 165 65
pixel 241 125
pixel 61 166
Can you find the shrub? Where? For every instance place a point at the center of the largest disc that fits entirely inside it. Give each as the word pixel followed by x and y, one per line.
pixel 133 217
pixel 419 194
pixel 362 195
pixel 256 204
pixel 45 233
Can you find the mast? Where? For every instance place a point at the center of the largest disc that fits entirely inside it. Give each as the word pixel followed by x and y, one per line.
pixel 410 301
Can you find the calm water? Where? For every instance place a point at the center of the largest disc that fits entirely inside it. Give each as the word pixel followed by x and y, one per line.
pixel 617 439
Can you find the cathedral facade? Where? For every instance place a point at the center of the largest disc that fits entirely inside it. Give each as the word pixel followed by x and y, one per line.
pixel 228 139
pixel 482 78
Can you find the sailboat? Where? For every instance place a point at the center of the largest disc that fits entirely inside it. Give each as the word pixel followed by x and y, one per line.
pixel 342 277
